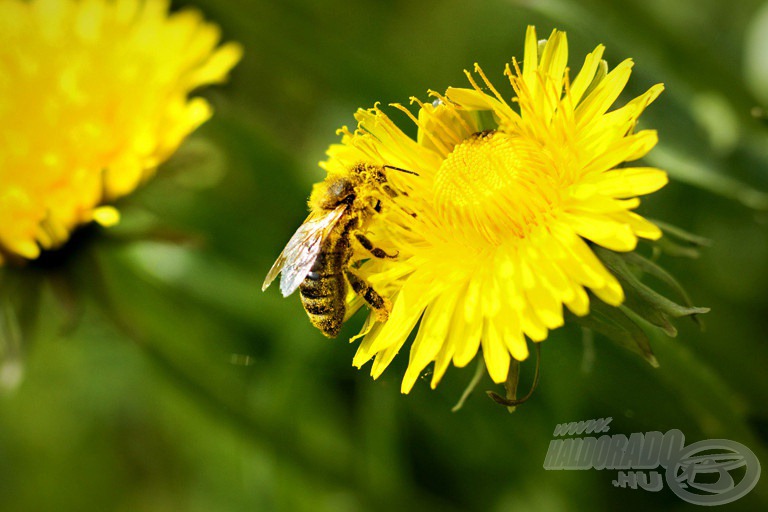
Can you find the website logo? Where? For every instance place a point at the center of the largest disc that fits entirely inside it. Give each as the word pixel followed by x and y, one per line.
pixel 710 472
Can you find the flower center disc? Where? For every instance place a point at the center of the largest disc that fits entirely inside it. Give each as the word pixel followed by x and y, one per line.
pixel 491 182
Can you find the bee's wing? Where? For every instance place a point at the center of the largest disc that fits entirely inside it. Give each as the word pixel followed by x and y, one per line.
pixel 302 250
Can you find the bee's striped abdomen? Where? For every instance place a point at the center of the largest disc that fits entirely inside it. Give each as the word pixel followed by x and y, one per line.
pixel 323 291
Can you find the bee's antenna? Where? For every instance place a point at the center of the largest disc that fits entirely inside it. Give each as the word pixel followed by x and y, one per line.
pixel 401 170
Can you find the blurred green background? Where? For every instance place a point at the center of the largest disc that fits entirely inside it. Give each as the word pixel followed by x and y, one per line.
pixel 157 376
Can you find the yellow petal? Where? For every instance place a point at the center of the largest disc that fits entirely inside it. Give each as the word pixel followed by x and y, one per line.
pixel 554 59
pixel 406 310
pixel 604 94
pixel 532 326
pixel 431 337
pixel 384 357
pixel 602 230
pixel 587 73
pixel 531 56
pixel 624 150
pixel 579 304
pixel 639 225
pixel 582 264
pixel 107 216
pixel 495 353
pixel 217 67
pixel 472 99
pixel 442 361
pixel 626 116
pixel 544 302
pixel 612 293
pixel 631 181
pixel 465 336
pixel 516 344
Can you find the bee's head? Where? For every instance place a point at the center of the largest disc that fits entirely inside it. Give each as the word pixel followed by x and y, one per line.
pixel 368 173
pixel 337 189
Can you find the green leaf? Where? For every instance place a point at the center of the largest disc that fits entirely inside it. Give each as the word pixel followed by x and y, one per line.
pixel 613 323
pixel 641 299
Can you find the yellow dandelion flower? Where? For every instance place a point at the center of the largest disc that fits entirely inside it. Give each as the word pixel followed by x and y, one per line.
pixel 93 97
pixel 495 234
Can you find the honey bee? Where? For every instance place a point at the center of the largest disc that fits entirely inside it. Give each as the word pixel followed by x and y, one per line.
pixel 316 259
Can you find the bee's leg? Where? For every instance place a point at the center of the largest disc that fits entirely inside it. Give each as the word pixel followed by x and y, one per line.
pixel 389 190
pixel 361 287
pixel 392 193
pixel 373 209
pixel 368 246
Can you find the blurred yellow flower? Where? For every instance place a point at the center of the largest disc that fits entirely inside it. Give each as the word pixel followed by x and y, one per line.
pixel 93 97
pixel 504 208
